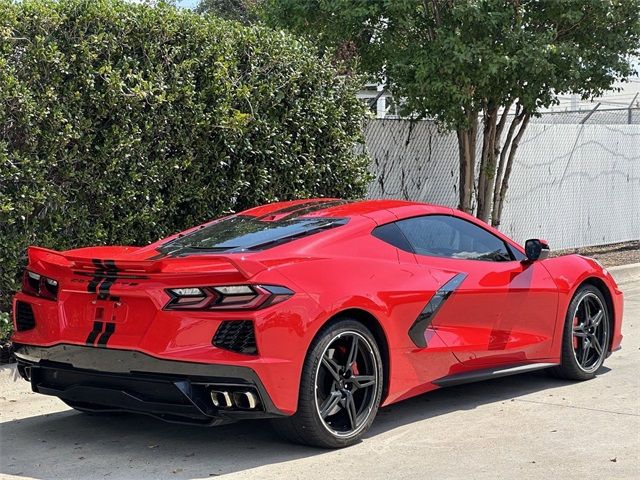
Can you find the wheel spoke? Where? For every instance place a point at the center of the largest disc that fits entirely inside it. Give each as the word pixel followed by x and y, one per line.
pixel 353 353
pixel 351 410
pixel 331 367
pixel 587 309
pixel 330 403
pixel 596 319
pixel 586 346
pixel 596 344
pixel 362 381
pixel 579 331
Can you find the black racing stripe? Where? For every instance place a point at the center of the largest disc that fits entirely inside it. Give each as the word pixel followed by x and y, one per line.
pixel 104 338
pixel 417 330
pixel 110 265
pixel 95 281
pixel 93 334
pixel 111 275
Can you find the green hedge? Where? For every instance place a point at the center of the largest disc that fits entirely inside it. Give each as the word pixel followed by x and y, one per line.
pixel 121 123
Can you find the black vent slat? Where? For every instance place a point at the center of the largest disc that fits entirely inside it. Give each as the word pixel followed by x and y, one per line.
pixel 25 320
pixel 237 336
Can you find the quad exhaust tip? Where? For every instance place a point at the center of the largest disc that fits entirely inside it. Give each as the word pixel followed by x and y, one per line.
pixel 245 400
pixel 242 400
pixel 221 399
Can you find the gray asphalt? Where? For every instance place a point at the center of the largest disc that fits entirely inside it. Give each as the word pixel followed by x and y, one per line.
pixel 529 426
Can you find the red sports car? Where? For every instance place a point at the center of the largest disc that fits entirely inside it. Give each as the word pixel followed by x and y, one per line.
pixel 313 313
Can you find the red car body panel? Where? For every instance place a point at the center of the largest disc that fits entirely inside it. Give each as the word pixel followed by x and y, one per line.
pixel 503 313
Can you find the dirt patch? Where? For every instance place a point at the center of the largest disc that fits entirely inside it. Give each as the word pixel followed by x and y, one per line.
pixel 609 255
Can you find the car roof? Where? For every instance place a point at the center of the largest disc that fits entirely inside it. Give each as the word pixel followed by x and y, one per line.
pixel 334 207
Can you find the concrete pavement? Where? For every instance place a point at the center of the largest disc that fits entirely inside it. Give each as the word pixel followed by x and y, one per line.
pixel 528 427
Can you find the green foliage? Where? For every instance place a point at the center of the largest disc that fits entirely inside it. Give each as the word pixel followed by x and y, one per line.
pixel 121 123
pixel 6 327
pixel 448 57
pixel 243 11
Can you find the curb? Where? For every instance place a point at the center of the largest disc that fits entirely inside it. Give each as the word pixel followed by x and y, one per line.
pixel 625 273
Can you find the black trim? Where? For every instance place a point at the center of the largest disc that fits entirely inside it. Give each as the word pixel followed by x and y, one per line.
pixel 108 375
pixel 419 326
pixel 489 373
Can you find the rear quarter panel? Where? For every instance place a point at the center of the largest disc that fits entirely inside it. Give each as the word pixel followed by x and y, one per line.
pixel 362 272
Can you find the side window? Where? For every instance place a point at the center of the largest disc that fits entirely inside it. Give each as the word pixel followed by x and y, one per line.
pixel 446 236
pixel 391 234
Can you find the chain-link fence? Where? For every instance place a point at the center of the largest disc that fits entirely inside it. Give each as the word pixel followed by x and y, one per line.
pixel 573 184
pixel 597 115
pixel 383 106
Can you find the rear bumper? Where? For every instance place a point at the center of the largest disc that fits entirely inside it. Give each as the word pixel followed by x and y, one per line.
pixel 125 380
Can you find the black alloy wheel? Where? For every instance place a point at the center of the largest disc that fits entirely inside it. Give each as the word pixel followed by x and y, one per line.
pixel 586 336
pixel 590 332
pixel 346 383
pixel 340 389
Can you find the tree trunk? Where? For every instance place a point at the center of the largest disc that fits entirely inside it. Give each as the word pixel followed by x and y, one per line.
pixel 467 149
pixel 504 151
pixel 511 145
pixel 487 173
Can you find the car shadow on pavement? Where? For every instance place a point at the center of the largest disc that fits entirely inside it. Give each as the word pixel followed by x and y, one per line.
pixel 68 444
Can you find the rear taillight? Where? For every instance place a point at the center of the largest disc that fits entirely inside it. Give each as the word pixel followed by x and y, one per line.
pixel 226 297
pixel 39 285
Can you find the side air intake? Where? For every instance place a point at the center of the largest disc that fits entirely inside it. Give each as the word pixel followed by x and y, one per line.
pixel 25 320
pixel 237 336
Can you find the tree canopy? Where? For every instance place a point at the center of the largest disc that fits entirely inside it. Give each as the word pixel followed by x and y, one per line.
pixel 243 11
pixel 454 61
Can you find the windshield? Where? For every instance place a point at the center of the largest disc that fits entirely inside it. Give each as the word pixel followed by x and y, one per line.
pixel 241 233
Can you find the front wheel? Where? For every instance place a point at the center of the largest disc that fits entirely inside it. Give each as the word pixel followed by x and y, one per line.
pixel 340 388
pixel 585 341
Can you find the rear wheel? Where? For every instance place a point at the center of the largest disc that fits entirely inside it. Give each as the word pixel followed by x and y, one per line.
pixel 340 388
pixel 586 335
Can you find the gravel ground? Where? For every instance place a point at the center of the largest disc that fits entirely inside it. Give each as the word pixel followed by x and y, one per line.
pixel 609 255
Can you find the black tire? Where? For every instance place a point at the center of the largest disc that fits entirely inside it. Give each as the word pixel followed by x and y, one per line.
pixel 350 403
pixel 584 347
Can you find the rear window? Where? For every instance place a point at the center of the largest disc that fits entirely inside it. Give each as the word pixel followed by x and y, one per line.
pixel 245 233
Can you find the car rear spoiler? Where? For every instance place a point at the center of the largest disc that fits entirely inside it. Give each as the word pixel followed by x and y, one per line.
pixel 192 264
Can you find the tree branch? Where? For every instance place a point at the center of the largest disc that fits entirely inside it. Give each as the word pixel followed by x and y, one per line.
pixel 497 213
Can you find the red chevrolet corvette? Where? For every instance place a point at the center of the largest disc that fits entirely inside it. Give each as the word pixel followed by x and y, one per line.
pixel 313 313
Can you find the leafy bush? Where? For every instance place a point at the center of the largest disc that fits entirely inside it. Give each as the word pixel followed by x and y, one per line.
pixel 5 326
pixel 121 123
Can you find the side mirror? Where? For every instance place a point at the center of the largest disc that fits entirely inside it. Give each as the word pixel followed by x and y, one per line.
pixel 536 249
